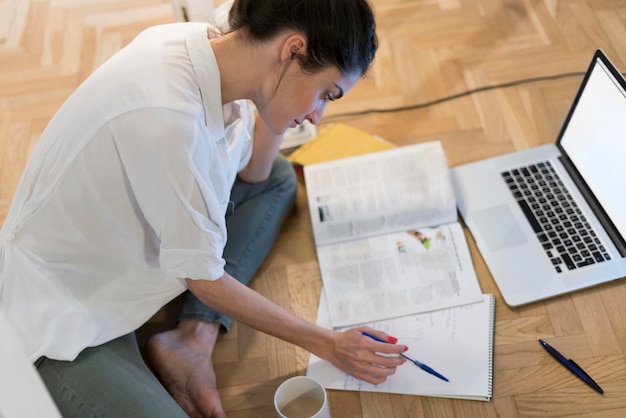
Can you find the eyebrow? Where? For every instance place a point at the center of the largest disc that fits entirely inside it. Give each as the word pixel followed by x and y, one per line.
pixel 340 95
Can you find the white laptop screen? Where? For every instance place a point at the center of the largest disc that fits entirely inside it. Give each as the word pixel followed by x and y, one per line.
pixel 595 141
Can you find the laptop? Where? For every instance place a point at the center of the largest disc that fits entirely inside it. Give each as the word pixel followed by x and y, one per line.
pixel 551 219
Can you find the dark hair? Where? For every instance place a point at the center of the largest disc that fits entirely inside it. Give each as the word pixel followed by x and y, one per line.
pixel 340 33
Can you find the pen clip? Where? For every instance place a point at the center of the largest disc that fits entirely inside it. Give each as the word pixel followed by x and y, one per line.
pixel 579 369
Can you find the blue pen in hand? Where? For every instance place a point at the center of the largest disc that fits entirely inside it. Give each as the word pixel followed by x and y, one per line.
pixel 416 362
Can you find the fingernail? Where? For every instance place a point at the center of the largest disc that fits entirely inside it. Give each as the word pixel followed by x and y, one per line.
pixel 406 348
pixel 392 340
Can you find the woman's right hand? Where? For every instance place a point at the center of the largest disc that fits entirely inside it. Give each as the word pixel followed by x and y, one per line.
pixel 365 358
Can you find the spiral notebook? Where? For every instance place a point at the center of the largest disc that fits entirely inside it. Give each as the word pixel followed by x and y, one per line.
pixel 457 342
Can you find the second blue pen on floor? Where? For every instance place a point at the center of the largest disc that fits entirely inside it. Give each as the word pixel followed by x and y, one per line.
pixel 419 364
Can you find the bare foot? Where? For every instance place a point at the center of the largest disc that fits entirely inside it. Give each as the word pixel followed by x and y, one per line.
pixel 181 358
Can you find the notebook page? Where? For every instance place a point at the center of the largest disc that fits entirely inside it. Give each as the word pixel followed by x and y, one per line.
pixel 457 342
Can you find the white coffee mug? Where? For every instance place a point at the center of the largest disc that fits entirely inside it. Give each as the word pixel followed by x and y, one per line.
pixel 301 397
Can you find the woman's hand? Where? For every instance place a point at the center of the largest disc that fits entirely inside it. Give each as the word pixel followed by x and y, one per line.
pixel 365 358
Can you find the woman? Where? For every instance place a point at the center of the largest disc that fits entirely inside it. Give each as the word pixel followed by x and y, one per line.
pixel 128 197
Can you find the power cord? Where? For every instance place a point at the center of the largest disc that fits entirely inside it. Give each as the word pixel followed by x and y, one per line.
pixel 454 96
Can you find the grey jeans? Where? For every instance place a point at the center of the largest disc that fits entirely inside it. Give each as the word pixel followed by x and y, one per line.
pixel 112 380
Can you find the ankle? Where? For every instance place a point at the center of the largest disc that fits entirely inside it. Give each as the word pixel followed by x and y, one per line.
pixel 204 332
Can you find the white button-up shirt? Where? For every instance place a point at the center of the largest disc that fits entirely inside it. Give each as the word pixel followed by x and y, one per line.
pixel 124 196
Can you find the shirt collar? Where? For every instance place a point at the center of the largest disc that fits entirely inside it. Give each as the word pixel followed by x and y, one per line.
pixel 206 69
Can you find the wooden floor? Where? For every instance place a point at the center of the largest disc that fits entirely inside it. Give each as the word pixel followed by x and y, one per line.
pixel 429 49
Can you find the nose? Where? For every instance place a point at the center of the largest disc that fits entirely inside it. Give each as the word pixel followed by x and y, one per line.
pixel 315 116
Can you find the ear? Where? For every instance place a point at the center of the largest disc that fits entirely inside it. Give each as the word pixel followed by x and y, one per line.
pixel 294 46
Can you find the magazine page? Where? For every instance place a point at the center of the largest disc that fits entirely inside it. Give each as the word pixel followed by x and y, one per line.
pixel 398 274
pixel 378 193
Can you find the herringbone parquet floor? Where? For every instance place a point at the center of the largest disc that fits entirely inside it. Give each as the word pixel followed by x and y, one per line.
pixel 429 49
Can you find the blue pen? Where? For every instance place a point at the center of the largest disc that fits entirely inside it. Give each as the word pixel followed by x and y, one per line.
pixel 416 362
pixel 571 366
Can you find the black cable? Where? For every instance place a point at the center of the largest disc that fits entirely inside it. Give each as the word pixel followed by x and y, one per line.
pixel 454 96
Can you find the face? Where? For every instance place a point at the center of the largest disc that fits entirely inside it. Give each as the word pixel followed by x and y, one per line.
pixel 302 96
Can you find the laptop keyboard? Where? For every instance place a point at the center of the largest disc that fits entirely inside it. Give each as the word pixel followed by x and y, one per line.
pixel 561 228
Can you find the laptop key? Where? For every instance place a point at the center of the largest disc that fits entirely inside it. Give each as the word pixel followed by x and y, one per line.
pixel 598 257
pixel 568 261
pixel 529 215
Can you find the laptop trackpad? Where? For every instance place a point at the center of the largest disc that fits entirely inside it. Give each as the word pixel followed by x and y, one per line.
pixel 499 228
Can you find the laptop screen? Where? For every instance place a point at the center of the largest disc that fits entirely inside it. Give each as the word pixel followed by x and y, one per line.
pixel 595 141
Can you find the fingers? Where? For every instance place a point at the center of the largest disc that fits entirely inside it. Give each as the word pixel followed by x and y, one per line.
pixel 381 342
pixel 379 362
pixel 368 354
pixel 381 336
pixel 377 357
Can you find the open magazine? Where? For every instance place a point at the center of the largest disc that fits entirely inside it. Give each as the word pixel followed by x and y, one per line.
pixel 387 237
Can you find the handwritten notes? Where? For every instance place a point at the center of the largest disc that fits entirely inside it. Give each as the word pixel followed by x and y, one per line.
pixel 457 342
